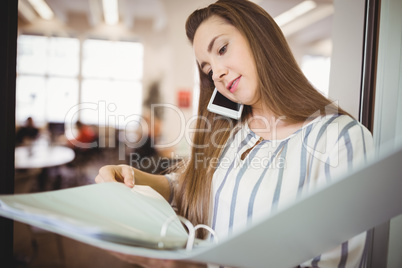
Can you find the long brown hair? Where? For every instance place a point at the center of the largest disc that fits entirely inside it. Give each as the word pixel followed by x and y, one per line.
pixel 282 86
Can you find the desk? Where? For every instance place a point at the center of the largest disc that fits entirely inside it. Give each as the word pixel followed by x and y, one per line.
pixel 42 156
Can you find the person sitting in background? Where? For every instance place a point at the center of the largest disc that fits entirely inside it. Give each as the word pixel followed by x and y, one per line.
pixel 27 133
pixel 85 138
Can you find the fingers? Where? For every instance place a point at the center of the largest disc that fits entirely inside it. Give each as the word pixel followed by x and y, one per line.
pixel 120 173
pixel 108 173
pixel 127 174
pixel 99 179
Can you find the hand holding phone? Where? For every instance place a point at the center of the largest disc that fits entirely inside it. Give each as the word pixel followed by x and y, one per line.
pixel 219 104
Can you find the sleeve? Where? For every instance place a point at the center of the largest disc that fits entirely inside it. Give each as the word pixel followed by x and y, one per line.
pixel 172 178
pixel 353 147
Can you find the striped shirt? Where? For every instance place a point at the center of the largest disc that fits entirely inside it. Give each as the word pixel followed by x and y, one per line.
pixel 256 177
pixel 275 172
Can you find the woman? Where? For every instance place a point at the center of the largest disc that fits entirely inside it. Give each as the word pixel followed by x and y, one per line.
pixel 289 141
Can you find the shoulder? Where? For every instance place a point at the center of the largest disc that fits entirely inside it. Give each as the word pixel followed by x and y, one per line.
pixel 345 136
pixel 334 133
pixel 352 130
pixel 342 126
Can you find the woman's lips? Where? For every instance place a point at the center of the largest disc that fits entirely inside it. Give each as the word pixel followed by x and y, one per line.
pixel 233 85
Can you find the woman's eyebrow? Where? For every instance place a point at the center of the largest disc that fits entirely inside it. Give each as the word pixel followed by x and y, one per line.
pixel 211 44
pixel 209 49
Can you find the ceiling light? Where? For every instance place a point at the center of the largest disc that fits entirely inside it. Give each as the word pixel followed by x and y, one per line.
pixel 295 12
pixel 42 8
pixel 319 13
pixel 110 11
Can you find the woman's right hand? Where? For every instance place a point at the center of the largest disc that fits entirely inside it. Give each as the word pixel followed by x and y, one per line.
pixel 119 173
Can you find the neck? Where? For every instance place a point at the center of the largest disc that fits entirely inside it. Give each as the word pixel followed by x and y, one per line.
pixel 264 122
pixel 269 126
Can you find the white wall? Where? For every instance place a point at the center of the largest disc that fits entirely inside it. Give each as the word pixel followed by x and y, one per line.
pixel 388 104
pixel 346 60
pixel 179 71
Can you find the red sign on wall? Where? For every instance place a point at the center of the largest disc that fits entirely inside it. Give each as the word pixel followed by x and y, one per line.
pixel 184 98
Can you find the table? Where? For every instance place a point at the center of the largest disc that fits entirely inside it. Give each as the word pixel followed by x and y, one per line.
pixel 42 156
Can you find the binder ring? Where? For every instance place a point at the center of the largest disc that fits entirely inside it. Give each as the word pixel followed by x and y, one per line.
pixel 191 230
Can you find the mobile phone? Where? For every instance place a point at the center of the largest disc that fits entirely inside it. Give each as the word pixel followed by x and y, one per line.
pixel 219 104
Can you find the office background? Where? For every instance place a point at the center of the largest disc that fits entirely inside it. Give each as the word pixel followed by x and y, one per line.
pixel 167 58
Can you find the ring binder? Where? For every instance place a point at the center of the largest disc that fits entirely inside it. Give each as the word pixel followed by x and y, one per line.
pixel 191 231
pixel 277 240
pixel 209 229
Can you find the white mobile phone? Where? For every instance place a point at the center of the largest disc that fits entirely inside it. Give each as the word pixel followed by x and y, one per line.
pixel 219 104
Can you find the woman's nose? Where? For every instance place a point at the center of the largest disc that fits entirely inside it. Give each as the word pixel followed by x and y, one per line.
pixel 218 73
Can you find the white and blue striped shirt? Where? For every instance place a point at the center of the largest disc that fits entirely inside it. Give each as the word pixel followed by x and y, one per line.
pixel 275 172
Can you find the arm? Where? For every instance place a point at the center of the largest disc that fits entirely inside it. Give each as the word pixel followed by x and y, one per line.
pixel 131 176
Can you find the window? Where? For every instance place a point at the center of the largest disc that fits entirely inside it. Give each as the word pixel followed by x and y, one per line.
pixel 316 69
pixel 51 85
pixel 47 81
pixel 112 73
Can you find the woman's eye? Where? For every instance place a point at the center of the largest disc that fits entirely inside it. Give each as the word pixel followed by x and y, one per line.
pixel 223 50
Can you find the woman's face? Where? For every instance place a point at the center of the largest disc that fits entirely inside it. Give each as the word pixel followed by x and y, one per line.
pixel 224 54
